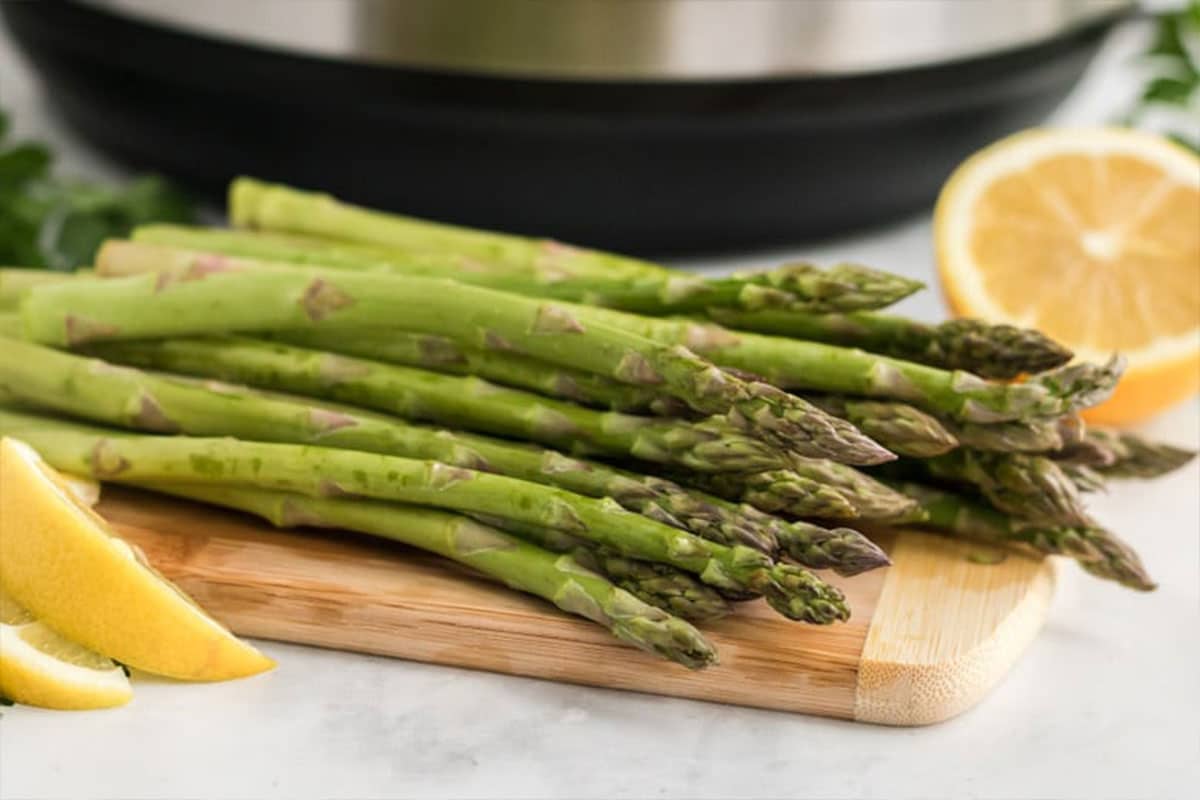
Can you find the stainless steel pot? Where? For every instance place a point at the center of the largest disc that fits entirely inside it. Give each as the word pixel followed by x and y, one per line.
pixel 642 125
pixel 632 40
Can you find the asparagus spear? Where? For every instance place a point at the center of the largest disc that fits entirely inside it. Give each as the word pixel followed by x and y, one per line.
pixel 254 204
pixel 991 351
pixel 787 363
pixel 1071 429
pixel 1097 550
pixel 657 291
pixel 844 550
pixel 195 294
pixel 542 269
pixel 1021 484
pixel 14 282
pixel 1083 477
pixel 794 364
pixel 1089 452
pixel 324 472
pixel 1032 436
pixel 1128 455
pixel 899 427
pixel 659 585
pixel 129 398
pixel 811 488
pixel 441 354
pixel 10 324
pixel 707 445
pixel 518 564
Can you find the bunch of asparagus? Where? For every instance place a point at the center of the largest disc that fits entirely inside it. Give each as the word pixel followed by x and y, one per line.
pixel 639 446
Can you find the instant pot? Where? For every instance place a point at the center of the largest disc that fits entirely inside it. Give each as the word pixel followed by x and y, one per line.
pixel 642 125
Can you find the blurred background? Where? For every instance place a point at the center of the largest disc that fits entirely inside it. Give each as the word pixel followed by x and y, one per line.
pixel 649 126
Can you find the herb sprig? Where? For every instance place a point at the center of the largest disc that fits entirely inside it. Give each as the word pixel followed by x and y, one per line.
pixel 1170 102
pixel 57 223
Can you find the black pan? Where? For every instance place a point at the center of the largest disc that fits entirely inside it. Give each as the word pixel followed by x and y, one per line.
pixel 641 167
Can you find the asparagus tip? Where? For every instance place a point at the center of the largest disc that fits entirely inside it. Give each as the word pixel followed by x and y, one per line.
pixel 798 594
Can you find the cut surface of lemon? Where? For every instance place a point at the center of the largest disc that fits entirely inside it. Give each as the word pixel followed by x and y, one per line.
pixel 1092 236
pixel 60 560
pixel 38 667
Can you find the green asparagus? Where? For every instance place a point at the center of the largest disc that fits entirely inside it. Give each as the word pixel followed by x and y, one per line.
pixel 990 351
pixel 1088 452
pixel 1098 551
pixel 195 294
pixel 518 564
pixel 1129 455
pixel 810 488
pixel 1021 484
pixel 100 392
pixel 600 277
pixel 658 291
pixel 1032 436
pixel 787 363
pixel 899 427
pixel 471 403
pixel 440 354
pixel 254 204
pixel 1084 478
pixel 844 550
pixel 10 324
pixel 324 472
pixel 14 282
pixel 795 364
pixel 660 585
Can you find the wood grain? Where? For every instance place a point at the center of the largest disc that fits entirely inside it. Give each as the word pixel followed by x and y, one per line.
pixel 947 629
pixel 348 592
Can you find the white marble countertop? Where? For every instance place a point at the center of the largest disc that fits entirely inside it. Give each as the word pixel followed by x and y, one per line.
pixel 1104 704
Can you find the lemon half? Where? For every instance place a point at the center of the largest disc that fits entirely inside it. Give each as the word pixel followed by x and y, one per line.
pixel 1092 236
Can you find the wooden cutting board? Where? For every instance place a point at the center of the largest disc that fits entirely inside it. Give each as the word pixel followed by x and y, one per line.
pixel 929 636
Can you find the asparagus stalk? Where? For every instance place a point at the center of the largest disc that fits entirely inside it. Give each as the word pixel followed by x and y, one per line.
pixel 10 324
pixel 811 488
pixel 441 354
pixel 1089 452
pixel 100 392
pixel 325 472
pixel 1071 428
pixel 519 565
pixel 899 427
pixel 1025 485
pixel 1084 478
pixel 954 395
pixel 15 282
pixel 959 396
pixel 844 550
pixel 538 268
pixel 471 403
pixel 254 204
pixel 657 291
pixel 196 294
pixel 1032 436
pixel 990 351
pixel 660 585
pixel 1097 550
pixel 1128 455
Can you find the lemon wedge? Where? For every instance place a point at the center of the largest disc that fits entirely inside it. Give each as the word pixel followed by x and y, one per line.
pixel 40 668
pixel 60 560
